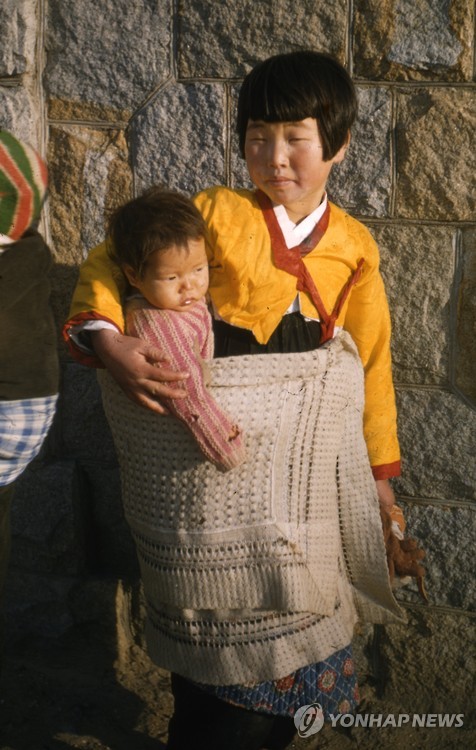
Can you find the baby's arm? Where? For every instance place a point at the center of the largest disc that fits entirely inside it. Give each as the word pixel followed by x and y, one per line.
pixel 144 372
pixel 219 438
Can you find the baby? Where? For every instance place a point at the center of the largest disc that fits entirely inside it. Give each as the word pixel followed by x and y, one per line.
pixel 158 242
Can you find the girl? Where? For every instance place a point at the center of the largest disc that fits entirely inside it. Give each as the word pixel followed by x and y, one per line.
pixel 271 570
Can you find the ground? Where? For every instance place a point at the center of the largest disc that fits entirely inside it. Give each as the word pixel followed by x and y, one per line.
pixel 73 693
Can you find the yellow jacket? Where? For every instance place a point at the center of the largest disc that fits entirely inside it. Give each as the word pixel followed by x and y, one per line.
pixel 249 291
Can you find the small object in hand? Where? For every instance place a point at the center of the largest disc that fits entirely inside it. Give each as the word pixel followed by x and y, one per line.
pixel 403 554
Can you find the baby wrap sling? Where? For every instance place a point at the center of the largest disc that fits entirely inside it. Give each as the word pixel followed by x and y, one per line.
pixel 253 573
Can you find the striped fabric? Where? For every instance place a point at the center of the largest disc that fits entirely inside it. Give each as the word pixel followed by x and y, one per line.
pixel 23 181
pixel 23 427
pixel 187 338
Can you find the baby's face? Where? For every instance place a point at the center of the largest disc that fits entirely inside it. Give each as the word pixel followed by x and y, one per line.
pixel 176 278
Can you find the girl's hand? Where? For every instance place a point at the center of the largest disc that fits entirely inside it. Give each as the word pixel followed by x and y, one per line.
pixel 385 494
pixel 139 369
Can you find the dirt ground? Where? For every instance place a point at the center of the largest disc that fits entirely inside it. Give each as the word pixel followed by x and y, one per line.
pixel 71 693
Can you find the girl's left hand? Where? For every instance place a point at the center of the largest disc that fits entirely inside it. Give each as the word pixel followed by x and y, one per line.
pixel 385 494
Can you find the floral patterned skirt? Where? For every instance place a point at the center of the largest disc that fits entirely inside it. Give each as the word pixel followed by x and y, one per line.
pixel 332 683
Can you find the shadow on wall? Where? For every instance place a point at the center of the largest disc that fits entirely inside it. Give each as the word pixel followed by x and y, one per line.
pixel 65 680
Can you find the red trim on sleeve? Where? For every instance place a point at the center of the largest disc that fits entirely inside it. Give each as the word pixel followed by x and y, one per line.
pixel 386 471
pixel 90 360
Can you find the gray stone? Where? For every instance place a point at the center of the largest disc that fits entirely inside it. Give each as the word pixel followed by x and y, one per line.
pixel 447 536
pixel 430 663
pixel 97 603
pixel 435 154
pixel 417 264
pixel 226 39
pixel 179 138
pixel 49 520
pixel 401 39
pixel 437 434
pixel 41 608
pixel 423 37
pixel 36 604
pixel 465 364
pixel 114 548
pixel 239 176
pixel 18 113
pixel 89 177
pixel 362 182
pixel 84 429
pixel 105 60
pixel 18 27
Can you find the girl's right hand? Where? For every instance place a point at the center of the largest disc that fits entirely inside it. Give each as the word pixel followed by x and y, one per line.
pixel 139 369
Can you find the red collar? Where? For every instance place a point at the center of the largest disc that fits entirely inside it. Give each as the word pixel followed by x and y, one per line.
pixel 291 260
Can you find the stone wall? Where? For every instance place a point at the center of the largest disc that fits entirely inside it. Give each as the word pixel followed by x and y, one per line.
pixel 121 94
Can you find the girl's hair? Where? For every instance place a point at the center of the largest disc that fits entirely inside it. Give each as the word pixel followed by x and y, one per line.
pixel 156 220
pixel 296 85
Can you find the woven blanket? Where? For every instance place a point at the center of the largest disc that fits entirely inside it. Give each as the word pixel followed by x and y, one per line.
pixel 251 574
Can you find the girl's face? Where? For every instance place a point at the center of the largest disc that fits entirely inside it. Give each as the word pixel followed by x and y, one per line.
pixel 284 160
pixel 174 279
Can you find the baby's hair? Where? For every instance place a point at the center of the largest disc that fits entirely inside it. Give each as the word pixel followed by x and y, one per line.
pixel 156 220
pixel 296 85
